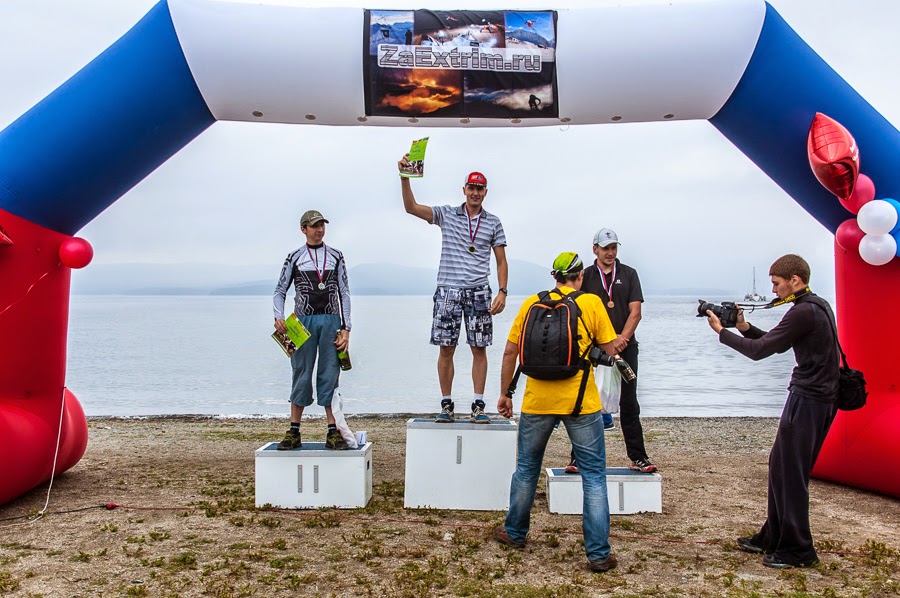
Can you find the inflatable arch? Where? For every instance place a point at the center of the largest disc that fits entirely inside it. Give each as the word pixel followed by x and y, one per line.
pixel 188 63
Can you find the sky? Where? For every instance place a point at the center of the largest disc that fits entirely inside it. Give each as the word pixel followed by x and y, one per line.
pixel 690 209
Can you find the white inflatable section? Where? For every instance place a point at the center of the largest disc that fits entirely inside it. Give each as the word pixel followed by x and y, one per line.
pixel 636 62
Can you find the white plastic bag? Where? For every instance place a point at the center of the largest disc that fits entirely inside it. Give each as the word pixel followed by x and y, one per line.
pixel 610 388
pixel 337 408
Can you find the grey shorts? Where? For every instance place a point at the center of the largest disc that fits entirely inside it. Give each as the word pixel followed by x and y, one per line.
pixel 451 305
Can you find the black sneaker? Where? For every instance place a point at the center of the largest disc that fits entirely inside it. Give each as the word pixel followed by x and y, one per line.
pixel 609 426
pixel 747 545
pixel 336 442
pixel 775 562
pixel 478 416
pixel 290 441
pixel 446 414
pixel 643 466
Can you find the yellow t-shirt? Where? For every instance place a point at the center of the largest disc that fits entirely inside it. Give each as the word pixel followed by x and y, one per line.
pixel 557 397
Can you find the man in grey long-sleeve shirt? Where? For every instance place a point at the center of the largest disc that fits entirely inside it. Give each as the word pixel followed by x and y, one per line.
pixel 785 537
pixel 322 304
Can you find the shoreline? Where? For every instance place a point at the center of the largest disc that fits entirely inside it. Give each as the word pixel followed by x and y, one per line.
pixel 191 528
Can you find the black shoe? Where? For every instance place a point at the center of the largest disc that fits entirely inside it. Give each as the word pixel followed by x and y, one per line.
pixel 290 441
pixel 747 545
pixel 502 536
pixel 606 564
pixel 336 442
pixel 775 562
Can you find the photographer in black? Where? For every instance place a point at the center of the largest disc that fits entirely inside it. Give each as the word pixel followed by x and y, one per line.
pixel 785 537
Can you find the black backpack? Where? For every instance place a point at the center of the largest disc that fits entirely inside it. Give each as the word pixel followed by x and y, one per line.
pixel 548 343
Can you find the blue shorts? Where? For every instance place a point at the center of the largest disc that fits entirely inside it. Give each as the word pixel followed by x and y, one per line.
pixel 451 304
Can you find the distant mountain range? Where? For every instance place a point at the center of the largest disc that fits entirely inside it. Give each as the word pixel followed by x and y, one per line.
pixel 525 278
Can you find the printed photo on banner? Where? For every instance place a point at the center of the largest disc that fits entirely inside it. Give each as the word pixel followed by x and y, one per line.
pixel 478 64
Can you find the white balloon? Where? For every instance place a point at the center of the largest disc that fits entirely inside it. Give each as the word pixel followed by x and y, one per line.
pixel 877 249
pixel 877 217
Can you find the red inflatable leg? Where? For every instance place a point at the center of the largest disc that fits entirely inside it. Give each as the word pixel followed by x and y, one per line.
pixel 34 313
pixel 863 446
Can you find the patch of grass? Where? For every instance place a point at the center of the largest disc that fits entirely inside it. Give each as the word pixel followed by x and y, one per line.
pixel 413 580
pixel 8 583
pixel 184 561
pixel 157 536
pixel 81 557
pixel 285 562
pixel 323 519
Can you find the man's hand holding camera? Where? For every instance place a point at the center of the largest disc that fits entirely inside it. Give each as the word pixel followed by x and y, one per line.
pixel 716 324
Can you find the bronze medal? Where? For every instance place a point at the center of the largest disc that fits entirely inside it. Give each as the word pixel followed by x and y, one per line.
pixel 611 303
pixel 472 235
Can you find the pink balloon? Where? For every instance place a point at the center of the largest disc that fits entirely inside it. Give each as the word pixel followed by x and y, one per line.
pixel 863 193
pixel 76 253
pixel 848 235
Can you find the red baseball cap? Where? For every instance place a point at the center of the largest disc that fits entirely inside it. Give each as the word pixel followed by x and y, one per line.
pixel 476 178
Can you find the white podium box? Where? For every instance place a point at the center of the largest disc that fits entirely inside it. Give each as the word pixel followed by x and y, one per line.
pixel 460 466
pixel 313 476
pixel 628 491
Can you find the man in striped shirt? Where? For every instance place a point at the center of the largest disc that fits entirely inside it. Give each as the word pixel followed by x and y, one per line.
pixel 322 304
pixel 469 235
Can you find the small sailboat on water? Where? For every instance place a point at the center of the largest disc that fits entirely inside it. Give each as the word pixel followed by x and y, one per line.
pixel 754 296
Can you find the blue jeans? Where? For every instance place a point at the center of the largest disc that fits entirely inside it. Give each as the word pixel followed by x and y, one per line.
pixel 586 434
pixel 323 330
pixel 607 419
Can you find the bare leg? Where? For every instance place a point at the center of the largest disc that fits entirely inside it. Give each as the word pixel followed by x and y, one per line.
pixel 296 413
pixel 479 369
pixel 329 415
pixel 445 370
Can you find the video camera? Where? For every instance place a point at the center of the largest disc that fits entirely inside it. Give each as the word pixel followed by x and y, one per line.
pixel 598 356
pixel 727 312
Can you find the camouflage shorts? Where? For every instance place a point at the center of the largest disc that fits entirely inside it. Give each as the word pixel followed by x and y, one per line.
pixel 450 305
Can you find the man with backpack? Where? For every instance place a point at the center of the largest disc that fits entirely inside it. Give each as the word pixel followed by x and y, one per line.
pixel 551 337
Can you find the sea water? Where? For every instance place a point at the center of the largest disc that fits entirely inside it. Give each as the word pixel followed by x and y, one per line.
pixel 159 355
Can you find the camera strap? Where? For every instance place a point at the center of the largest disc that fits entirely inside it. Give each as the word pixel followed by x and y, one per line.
pixel 775 302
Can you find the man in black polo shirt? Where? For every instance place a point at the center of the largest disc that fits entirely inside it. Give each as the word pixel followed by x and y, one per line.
pixel 811 405
pixel 619 287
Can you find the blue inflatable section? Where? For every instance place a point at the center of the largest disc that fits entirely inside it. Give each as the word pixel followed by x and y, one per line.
pixel 104 130
pixel 769 114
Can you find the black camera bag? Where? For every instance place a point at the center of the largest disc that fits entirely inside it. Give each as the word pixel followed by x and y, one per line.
pixel 548 343
pixel 851 383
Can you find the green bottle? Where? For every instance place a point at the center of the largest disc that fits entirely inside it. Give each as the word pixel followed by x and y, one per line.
pixel 343 356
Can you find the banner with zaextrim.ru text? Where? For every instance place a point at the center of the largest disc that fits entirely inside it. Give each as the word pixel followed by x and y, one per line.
pixel 464 64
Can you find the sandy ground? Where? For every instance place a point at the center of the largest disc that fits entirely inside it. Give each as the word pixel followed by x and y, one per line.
pixel 188 526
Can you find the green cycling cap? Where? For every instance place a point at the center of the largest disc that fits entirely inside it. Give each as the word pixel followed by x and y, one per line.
pixel 567 263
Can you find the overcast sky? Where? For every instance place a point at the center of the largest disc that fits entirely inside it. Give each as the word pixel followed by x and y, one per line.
pixel 689 208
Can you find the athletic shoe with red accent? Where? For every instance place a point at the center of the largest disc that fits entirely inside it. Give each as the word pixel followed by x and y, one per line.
pixel 643 466
pixel 572 467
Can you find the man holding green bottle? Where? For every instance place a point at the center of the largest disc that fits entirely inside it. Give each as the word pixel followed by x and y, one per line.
pixel 322 304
